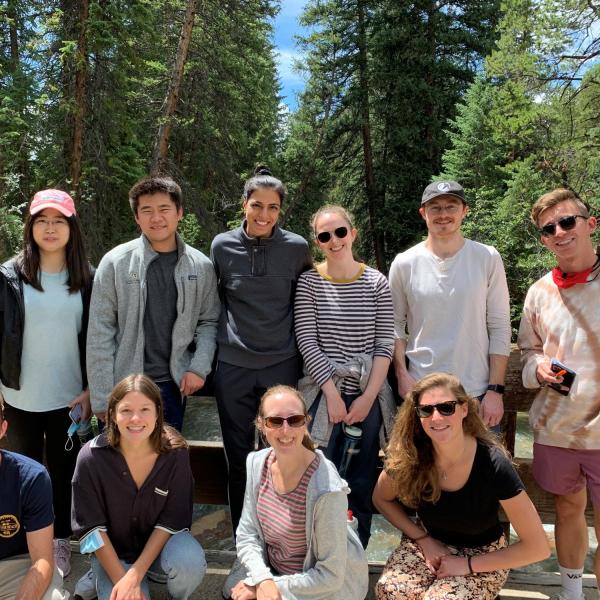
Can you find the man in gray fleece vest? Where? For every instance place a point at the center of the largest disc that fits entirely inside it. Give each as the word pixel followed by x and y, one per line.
pixel 154 307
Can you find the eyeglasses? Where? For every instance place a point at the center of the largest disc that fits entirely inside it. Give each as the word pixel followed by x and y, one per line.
pixel 339 232
pixel 436 209
pixel 566 224
pixel 50 222
pixel 445 409
pixel 292 421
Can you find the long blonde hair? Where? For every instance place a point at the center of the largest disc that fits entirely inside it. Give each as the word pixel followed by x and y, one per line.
pixel 410 456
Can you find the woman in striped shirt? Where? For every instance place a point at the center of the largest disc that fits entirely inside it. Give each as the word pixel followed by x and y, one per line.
pixel 345 330
pixel 293 540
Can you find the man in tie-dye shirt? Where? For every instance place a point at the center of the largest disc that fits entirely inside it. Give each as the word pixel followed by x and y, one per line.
pixel 561 320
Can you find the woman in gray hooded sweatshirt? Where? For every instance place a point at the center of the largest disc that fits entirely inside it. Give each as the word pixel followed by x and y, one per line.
pixel 294 540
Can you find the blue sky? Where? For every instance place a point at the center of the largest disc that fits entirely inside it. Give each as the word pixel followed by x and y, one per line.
pixel 286 26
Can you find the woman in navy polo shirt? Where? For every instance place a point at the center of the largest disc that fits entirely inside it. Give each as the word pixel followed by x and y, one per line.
pixel 132 499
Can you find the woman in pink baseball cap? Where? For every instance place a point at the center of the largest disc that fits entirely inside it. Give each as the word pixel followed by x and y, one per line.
pixel 44 305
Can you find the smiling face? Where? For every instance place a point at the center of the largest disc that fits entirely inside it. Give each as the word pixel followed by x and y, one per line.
pixel 439 428
pixel 285 438
pixel 444 215
pixel 158 218
pixel 51 231
pixel 262 211
pixel 568 245
pixel 135 417
pixel 335 248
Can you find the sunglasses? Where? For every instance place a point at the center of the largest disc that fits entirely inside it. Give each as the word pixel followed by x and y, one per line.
pixel 566 223
pixel 340 233
pixel 445 409
pixel 292 421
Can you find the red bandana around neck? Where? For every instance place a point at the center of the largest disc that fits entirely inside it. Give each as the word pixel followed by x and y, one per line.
pixel 567 280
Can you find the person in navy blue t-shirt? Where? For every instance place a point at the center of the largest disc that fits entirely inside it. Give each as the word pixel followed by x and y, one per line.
pixel 27 570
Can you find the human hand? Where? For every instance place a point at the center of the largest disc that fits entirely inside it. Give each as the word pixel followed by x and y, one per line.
pixel 267 590
pixel 243 591
pixel 491 408
pixel 336 408
pixel 545 375
pixel 359 410
pixel 84 401
pixel 406 383
pixel 190 383
pixel 433 551
pixel 453 566
pixel 128 587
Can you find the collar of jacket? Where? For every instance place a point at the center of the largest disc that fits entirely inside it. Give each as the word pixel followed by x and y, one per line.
pixel 259 241
pixel 150 252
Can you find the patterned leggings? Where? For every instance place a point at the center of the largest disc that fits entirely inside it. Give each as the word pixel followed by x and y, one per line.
pixel 406 576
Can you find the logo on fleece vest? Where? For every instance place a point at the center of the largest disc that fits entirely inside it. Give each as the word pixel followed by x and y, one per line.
pixel 9 526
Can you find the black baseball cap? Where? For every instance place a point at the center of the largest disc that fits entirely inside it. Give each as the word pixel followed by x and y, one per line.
pixel 443 188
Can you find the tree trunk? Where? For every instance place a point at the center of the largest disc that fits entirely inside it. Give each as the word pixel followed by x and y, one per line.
pixel 80 99
pixel 365 128
pixel 161 146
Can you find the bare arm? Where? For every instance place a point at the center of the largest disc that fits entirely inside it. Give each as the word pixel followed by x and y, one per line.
pixel 492 405
pixel 39 576
pixel 360 407
pixel 406 382
pixel 129 582
pixel 386 503
pixel 531 547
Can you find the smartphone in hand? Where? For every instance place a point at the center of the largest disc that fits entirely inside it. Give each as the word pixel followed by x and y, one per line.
pixel 75 413
pixel 567 374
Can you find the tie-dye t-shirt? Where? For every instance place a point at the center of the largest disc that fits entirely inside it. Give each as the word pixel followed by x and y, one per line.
pixel 563 324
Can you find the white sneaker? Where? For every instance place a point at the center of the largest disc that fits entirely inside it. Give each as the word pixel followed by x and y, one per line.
pixel 85 588
pixel 62 555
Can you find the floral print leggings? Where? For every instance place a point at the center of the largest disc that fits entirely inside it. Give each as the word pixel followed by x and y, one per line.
pixel 406 576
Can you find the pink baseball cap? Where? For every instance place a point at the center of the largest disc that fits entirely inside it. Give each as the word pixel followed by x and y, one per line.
pixel 57 199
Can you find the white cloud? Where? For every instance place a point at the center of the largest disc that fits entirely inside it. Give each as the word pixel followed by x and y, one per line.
pixel 285 67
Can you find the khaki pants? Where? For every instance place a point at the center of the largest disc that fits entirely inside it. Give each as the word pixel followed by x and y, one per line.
pixel 12 571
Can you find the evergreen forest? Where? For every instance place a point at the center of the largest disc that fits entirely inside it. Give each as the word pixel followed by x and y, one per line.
pixel 501 95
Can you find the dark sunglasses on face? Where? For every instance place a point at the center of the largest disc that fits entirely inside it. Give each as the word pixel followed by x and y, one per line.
pixel 292 421
pixel 566 223
pixel 445 409
pixel 340 233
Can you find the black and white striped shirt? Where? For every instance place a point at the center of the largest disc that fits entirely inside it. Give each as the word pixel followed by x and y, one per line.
pixel 336 320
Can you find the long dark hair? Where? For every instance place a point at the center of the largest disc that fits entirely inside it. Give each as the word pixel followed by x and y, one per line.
pixel 163 437
pixel 410 456
pixel 28 260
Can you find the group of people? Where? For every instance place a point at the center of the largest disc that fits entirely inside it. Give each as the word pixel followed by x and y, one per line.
pixel 300 355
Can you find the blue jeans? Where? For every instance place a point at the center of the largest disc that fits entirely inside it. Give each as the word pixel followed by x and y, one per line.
pixel 362 472
pixel 173 403
pixel 181 562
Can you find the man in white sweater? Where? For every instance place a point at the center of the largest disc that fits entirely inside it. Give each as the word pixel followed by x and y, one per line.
pixel 451 305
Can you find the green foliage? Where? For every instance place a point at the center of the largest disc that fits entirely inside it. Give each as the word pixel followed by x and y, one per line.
pixel 528 124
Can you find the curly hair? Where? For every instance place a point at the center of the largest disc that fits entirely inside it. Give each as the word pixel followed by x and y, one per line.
pixel 163 437
pixel 410 455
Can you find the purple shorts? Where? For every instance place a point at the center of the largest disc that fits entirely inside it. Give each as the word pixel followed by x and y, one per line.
pixel 564 471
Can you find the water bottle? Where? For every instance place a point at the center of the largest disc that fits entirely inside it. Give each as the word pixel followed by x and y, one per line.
pixel 84 432
pixel 352 437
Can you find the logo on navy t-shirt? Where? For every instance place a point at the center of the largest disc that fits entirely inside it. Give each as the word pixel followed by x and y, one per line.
pixel 9 526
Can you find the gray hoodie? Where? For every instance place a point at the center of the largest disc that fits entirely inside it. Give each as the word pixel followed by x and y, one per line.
pixel 335 566
pixel 115 341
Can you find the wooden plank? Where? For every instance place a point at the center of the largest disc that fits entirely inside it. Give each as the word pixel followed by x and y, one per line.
pixel 209 467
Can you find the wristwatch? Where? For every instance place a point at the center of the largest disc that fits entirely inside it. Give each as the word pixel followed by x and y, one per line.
pixel 496 387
